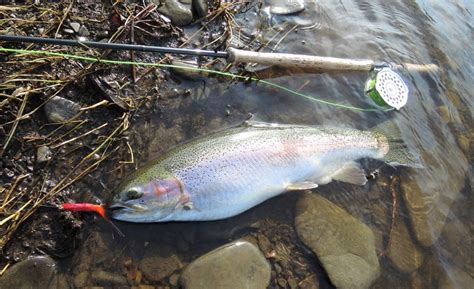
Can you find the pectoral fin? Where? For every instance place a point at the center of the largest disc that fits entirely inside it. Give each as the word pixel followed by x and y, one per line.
pixel 351 173
pixel 301 186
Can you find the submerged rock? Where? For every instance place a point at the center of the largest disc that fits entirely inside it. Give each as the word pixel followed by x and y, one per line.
pixel 59 109
pixel 455 278
pixel 105 278
pixel 180 14
pixel 201 7
pixel 429 206
pixel 285 7
pixel 186 69
pixel 159 262
pixel 344 245
pixel 239 264
pixel 36 272
pixel 403 253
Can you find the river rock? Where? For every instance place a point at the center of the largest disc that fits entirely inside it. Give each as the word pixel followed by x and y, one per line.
pixel 33 273
pixel 180 14
pixel 310 282
pixel 186 69
pixel 105 278
pixel 429 205
pixel 455 278
pixel 159 262
pixel 201 7
pixel 403 253
pixel 59 109
pixel 239 264
pixel 344 245
pixel 285 7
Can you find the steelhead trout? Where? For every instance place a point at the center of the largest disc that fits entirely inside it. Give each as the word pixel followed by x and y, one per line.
pixel 226 173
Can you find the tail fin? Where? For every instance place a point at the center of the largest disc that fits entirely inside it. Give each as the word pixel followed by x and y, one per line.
pixel 398 154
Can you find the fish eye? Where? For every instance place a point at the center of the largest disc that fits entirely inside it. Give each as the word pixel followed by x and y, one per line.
pixel 133 194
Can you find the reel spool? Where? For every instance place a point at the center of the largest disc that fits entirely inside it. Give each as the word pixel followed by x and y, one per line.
pixel 386 88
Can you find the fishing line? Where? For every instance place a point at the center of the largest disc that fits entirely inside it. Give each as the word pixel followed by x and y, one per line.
pixel 211 71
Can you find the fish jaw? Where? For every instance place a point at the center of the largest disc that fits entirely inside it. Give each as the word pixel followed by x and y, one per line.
pixel 149 200
pixel 130 215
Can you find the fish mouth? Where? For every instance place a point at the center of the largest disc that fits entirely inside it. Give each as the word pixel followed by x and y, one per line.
pixel 120 207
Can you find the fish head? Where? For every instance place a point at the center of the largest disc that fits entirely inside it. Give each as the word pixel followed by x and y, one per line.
pixel 151 201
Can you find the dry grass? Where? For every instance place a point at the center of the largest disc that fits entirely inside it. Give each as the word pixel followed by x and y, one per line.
pixel 28 82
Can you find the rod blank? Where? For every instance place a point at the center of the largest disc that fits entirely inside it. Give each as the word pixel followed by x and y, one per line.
pixel 114 46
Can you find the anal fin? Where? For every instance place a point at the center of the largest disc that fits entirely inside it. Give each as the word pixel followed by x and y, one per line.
pixel 301 186
pixel 351 173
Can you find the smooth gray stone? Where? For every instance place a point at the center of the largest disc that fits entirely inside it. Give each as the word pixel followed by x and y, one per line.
pixel 33 273
pixel 344 245
pixel 239 264
pixel 179 14
pixel 59 109
pixel 75 26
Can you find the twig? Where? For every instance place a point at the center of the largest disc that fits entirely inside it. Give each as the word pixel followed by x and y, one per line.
pixel 15 123
pixel 79 136
pixel 63 18
pixel 5 268
pixel 7 196
pixel 132 53
pixel 103 102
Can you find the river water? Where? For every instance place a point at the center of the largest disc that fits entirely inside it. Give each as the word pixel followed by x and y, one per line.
pixel 433 203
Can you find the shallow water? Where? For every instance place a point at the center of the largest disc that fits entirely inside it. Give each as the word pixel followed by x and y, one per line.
pixel 436 123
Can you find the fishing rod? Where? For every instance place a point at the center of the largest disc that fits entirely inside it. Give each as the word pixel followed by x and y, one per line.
pixel 384 86
pixel 232 55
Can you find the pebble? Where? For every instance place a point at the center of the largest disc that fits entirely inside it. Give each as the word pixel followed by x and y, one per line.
pixel 68 31
pixel 174 279
pixel 278 269
pixel 403 253
pixel 159 262
pixel 292 283
pixel 75 26
pixel 34 272
pixel 83 31
pixel 264 244
pixel 464 143
pixel 282 282
pixel 445 114
pixel 43 154
pixel 239 264
pixel 80 279
pixel 310 282
pixel 105 278
pixel 344 245
pixel 59 109
pixel 179 14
